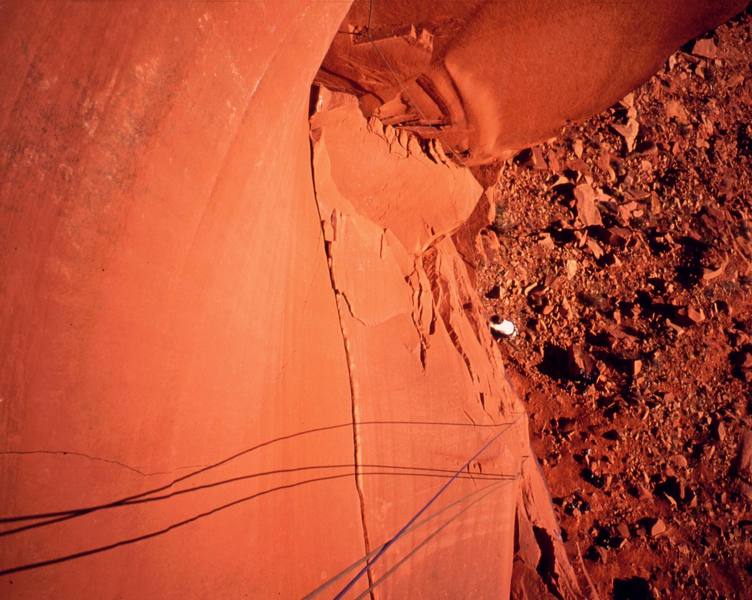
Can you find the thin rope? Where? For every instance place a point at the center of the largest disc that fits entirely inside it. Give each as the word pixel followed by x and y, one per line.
pixel 203 469
pixel 443 488
pixel 418 514
pixel 382 550
pixel 332 580
pixel 428 538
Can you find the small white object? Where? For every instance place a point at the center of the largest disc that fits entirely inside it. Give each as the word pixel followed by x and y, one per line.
pixel 505 327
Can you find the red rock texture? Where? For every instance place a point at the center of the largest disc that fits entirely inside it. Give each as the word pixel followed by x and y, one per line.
pixel 420 355
pixel 491 77
pixel 166 302
pixel 233 365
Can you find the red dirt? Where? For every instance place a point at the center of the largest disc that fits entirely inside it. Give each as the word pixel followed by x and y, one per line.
pixel 635 356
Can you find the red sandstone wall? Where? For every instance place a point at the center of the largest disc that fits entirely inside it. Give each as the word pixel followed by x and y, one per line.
pixel 415 359
pixel 189 331
pixel 165 301
pixel 491 77
pixel 170 327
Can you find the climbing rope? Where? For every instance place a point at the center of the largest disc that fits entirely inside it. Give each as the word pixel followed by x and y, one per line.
pixel 423 509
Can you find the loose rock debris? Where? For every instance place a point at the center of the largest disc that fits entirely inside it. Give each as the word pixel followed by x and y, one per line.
pixel 625 253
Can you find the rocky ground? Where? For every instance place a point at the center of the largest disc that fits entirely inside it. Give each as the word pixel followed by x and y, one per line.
pixel 622 250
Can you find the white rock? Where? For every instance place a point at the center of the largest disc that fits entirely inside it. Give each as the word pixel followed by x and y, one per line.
pixel 505 327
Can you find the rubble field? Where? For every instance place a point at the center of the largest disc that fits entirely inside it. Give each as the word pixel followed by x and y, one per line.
pixel 622 251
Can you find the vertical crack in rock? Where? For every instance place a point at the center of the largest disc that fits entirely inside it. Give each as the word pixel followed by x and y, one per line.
pixel 442 302
pixel 346 346
pixel 422 313
pixel 343 296
pixel 401 272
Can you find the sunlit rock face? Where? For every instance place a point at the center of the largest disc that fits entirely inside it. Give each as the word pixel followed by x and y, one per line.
pixel 421 356
pixel 490 77
pixel 166 304
pixel 241 347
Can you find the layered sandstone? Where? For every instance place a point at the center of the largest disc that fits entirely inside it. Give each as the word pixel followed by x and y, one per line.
pixel 240 350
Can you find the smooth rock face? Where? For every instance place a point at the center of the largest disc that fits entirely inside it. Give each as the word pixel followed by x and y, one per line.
pixel 166 303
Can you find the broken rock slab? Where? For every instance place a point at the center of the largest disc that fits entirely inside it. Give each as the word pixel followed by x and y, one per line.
pixel 421 356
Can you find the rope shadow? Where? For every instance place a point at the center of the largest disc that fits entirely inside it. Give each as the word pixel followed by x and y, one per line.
pixel 62 516
pixel 89 509
pixel 164 530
